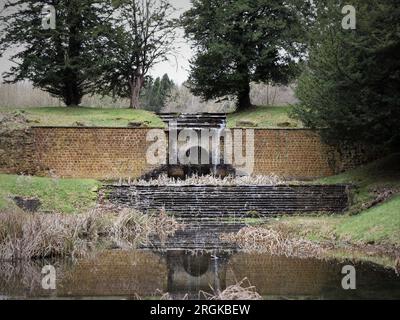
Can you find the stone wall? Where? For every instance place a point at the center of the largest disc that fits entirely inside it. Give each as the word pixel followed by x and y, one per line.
pixel 100 153
pixel 112 153
pixel 293 153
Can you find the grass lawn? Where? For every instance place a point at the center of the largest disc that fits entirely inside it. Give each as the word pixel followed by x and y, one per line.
pixel 265 117
pixel 378 225
pixel 78 116
pixel 261 117
pixel 57 195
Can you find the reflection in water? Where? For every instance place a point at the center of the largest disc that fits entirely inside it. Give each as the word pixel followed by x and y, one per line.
pixel 145 273
pixel 189 273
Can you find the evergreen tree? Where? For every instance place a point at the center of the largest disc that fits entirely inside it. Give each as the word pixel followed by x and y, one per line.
pixel 240 41
pixel 156 92
pixel 62 61
pixel 351 84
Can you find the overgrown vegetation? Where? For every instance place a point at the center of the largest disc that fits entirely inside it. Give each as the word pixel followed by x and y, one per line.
pixel 243 290
pixel 26 236
pixel 164 180
pixel 274 242
pixel 55 195
pixel 374 181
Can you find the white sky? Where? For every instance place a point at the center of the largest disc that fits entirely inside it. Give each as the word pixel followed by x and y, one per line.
pixel 176 67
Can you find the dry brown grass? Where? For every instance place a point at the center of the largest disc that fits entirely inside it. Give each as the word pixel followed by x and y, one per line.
pixel 264 240
pixel 28 236
pixel 243 290
pixel 32 236
pixel 164 180
pixel 130 228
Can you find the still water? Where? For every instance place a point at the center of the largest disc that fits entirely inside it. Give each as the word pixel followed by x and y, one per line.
pixel 149 274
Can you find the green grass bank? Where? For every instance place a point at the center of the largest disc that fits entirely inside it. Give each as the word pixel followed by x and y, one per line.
pixel 259 117
pixel 90 117
pixel 56 195
pixel 373 222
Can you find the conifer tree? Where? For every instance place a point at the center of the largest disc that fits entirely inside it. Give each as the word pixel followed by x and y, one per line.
pixel 62 60
pixel 240 41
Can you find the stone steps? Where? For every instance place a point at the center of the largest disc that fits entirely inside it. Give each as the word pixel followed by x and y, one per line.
pixel 230 201
pixel 194 121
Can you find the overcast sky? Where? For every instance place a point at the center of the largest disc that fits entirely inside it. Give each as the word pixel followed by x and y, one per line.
pixel 177 67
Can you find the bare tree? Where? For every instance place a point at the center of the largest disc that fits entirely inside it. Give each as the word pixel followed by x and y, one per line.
pixel 144 35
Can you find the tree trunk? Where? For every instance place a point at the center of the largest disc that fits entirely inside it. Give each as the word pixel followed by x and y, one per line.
pixel 244 101
pixel 72 95
pixel 72 101
pixel 73 88
pixel 136 87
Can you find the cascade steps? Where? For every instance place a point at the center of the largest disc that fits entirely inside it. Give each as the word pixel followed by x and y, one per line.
pixel 231 201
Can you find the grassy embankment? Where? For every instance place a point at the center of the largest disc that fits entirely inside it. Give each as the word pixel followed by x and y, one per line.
pixel 371 225
pixel 90 117
pixel 260 117
pixel 264 117
pixel 56 195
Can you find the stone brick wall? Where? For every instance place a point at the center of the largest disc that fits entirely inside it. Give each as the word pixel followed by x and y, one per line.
pixel 293 153
pixel 100 153
pixel 112 153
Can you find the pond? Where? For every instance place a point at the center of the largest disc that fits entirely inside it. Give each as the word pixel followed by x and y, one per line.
pixel 148 274
pixel 193 264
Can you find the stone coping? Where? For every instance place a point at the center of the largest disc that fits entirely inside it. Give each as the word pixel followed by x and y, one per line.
pixel 344 185
pixel 164 128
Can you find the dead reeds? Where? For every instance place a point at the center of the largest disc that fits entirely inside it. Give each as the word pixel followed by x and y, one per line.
pixel 26 236
pixel 164 180
pixel 243 290
pixel 273 242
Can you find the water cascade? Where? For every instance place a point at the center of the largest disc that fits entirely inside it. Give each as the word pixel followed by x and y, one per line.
pixel 219 202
